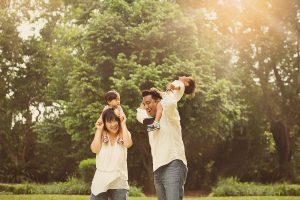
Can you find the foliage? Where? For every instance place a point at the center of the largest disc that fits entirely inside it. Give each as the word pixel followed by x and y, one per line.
pixel 87 169
pixel 232 187
pixel 23 81
pixel 81 197
pixel 135 191
pixel 243 121
pixel 72 187
pixel 55 155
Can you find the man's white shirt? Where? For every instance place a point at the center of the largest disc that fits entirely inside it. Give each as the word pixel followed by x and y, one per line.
pixel 166 143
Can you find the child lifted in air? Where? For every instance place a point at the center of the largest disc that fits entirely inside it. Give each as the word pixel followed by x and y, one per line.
pixel 189 89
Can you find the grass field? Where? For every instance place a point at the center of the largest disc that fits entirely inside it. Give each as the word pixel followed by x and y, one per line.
pixel 79 197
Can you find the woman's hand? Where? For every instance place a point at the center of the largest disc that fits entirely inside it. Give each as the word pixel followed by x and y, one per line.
pixel 97 142
pixel 123 118
pixel 99 124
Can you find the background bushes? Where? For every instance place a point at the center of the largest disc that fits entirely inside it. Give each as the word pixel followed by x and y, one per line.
pixel 72 187
pixel 232 187
pixel 87 169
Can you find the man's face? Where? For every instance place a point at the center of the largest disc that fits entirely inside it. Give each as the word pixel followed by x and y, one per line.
pixel 150 105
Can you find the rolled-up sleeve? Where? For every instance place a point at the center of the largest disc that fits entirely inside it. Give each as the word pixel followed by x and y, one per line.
pixel 178 93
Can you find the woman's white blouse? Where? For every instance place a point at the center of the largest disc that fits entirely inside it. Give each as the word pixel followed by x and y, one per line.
pixel 111 172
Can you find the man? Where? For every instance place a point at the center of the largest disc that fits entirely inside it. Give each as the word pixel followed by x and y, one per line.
pixel 167 148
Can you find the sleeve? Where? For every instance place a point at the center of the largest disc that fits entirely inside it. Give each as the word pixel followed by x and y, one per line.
pixel 141 114
pixel 176 94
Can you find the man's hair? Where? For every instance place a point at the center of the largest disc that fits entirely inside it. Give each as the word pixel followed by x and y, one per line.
pixel 111 95
pixel 109 115
pixel 153 92
pixel 190 89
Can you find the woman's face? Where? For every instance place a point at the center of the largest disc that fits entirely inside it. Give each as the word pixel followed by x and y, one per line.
pixel 112 126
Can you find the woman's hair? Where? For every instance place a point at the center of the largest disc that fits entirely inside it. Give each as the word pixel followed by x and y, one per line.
pixel 111 95
pixel 109 115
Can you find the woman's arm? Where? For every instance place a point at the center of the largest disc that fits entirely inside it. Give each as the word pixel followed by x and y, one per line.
pixel 97 142
pixel 126 135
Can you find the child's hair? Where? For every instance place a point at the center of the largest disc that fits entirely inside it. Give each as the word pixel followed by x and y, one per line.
pixel 111 95
pixel 190 89
pixel 109 115
pixel 153 92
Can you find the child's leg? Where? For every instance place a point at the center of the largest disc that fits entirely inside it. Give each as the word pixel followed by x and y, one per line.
pixel 117 112
pixel 156 124
pixel 105 137
pixel 159 110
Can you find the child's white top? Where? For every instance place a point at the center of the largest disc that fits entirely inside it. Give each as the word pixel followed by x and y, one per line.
pixel 166 143
pixel 111 172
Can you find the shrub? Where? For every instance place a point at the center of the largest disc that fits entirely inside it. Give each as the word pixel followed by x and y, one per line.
pixel 87 169
pixel 72 187
pixel 6 188
pixel 136 192
pixel 232 187
pixel 17 188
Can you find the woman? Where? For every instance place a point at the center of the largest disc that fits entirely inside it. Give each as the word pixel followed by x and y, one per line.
pixel 111 176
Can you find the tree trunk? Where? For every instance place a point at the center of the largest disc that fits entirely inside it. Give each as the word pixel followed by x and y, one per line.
pixel 149 187
pixel 281 138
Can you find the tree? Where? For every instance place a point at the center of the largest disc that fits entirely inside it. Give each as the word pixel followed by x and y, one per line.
pixel 22 86
pixel 264 37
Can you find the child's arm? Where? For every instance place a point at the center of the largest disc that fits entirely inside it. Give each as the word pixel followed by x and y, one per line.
pixel 159 110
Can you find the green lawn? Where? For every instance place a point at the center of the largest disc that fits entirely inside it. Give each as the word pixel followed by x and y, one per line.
pixel 81 197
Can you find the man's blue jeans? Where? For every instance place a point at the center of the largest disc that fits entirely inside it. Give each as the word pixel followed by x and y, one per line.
pixel 169 180
pixel 116 194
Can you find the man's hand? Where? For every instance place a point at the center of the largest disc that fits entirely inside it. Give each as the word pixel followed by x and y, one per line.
pixel 170 86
